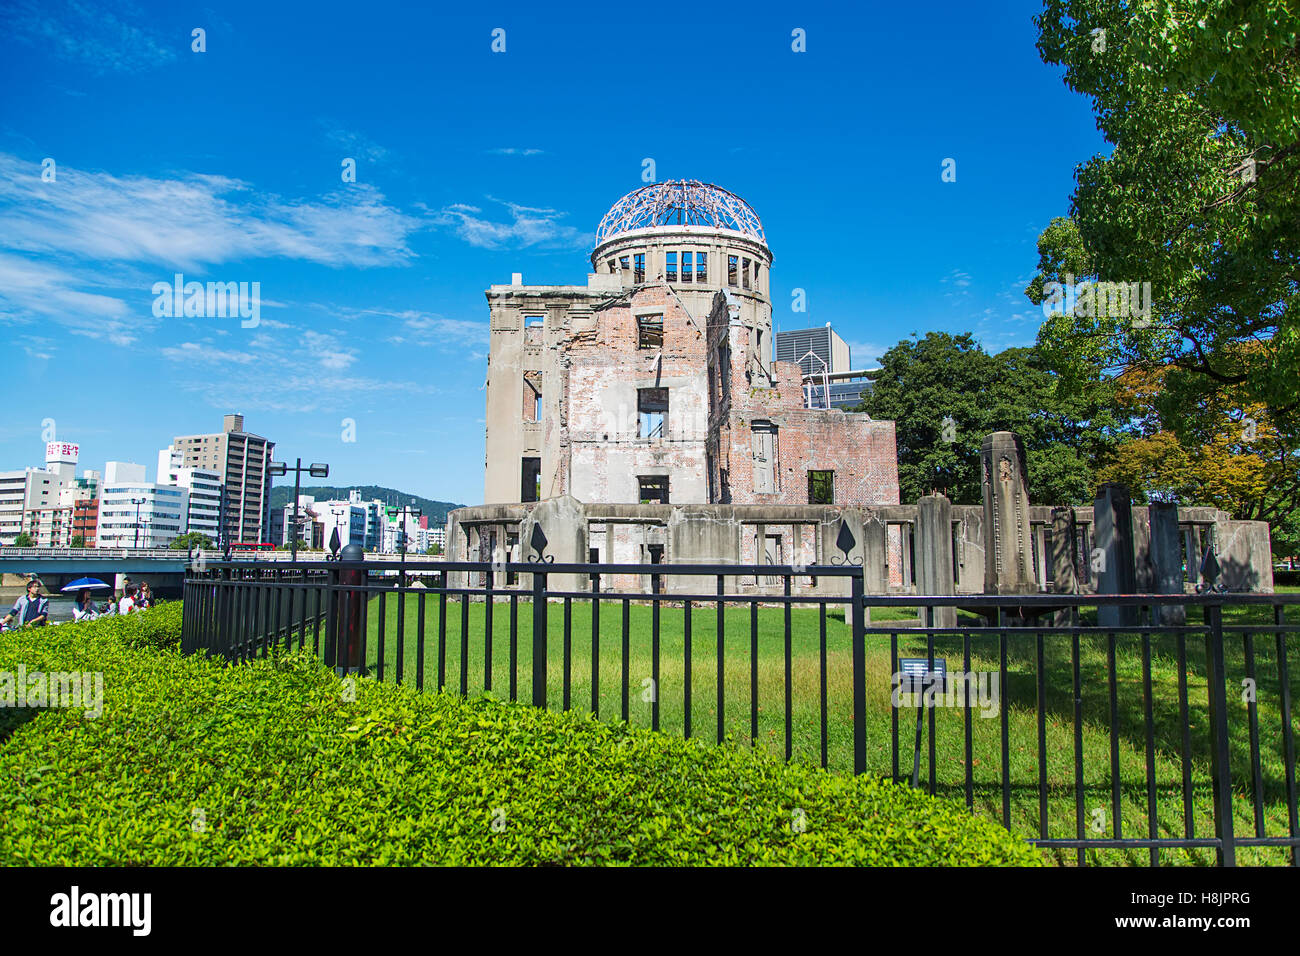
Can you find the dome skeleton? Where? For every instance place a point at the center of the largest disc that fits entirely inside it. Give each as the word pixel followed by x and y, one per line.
pixel 680 203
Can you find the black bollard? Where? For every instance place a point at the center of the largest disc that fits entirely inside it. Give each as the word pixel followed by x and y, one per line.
pixel 352 608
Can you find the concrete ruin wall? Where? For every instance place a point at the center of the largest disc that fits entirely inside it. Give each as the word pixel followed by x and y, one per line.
pixel 811 534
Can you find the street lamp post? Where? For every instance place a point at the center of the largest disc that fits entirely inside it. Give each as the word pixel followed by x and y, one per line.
pixel 403 515
pixel 137 502
pixel 334 538
pixel 316 470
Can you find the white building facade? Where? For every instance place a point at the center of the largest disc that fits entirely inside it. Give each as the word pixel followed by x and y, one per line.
pixel 135 513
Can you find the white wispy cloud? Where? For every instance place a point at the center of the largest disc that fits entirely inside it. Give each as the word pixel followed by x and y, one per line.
pixel 206 355
pixel 527 226
pixel 193 220
pixel 44 292
pixel 327 350
pixel 353 143
pixel 516 151
pixel 105 41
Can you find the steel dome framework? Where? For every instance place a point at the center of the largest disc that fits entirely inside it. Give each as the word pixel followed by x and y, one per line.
pixel 681 202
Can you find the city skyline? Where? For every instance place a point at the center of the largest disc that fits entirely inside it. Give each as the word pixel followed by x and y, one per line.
pixel 370 341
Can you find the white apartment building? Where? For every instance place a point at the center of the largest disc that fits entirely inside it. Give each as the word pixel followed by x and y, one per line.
pixel 21 492
pixel 203 491
pixel 349 517
pixel 136 513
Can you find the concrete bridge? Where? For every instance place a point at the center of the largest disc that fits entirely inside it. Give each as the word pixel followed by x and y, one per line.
pixel 163 568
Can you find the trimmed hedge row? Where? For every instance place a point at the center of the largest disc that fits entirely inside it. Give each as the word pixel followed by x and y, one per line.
pixel 194 762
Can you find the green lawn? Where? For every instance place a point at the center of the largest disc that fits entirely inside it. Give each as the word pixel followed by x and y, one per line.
pixel 742 660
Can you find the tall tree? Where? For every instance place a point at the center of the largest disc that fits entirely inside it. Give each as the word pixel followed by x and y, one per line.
pixel 1200 197
pixel 945 394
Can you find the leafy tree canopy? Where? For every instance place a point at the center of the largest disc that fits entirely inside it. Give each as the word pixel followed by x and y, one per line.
pixel 1200 197
pixel 193 541
pixel 945 394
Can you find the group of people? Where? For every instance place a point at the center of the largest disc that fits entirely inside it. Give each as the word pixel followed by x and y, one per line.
pixel 33 608
pixel 133 599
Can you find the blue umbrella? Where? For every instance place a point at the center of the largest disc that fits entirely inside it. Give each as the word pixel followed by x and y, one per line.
pixel 90 584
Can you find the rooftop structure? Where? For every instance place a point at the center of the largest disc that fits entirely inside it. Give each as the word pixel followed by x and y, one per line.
pixel 683 202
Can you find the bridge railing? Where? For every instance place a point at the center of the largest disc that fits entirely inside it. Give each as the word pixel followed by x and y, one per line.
pixel 206 556
pixel 1143 727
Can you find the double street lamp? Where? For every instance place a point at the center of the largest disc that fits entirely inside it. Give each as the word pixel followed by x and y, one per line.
pixel 404 515
pixel 137 502
pixel 279 469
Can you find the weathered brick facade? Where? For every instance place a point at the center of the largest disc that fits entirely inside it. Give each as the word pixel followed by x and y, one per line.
pixel 647 332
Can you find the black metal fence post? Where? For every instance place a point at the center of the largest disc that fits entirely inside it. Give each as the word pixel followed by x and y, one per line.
pixel 1220 772
pixel 331 616
pixel 857 612
pixel 539 638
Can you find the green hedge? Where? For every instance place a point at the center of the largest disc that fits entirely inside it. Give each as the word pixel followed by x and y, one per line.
pixel 196 762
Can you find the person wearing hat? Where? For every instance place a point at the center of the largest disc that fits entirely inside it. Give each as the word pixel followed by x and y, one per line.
pixel 31 609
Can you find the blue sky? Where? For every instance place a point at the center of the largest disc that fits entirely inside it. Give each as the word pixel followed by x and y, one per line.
pixel 225 165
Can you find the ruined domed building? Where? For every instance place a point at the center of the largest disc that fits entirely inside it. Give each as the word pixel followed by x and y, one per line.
pixel 652 386
pixel 639 418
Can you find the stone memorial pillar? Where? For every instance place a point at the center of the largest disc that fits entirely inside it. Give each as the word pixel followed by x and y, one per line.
pixel 1112 556
pixel 555 532
pixel 1008 555
pixel 1167 559
pixel 1065 577
pixel 934 568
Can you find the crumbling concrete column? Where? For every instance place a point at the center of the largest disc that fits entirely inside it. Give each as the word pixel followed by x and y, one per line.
pixel 934 570
pixel 702 534
pixel 1112 556
pixel 555 532
pixel 1008 558
pixel 1065 537
pixel 875 554
pixel 1166 559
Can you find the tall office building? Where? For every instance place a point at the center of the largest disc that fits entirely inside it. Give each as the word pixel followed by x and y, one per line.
pixel 830 380
pixel 241 459
pixel 815 350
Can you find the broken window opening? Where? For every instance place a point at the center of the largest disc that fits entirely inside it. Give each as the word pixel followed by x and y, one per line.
pixel 821 487
pixel 512 541
pixel 744 275
pixel 687 267
pixel 764 446
pixel 652 411
pixel 530 480
pixel 731 270
pixel 638 270
pixel 649 331
pixel 532 396
pixel 670 268
pixel 653 489
pixel 701 267
pixel 623 263
pixel 611 266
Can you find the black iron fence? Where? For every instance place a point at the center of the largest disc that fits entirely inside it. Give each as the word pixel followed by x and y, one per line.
pixel 1138 728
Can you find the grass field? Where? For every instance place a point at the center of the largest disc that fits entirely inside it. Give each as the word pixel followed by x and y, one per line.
pixel 758 666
